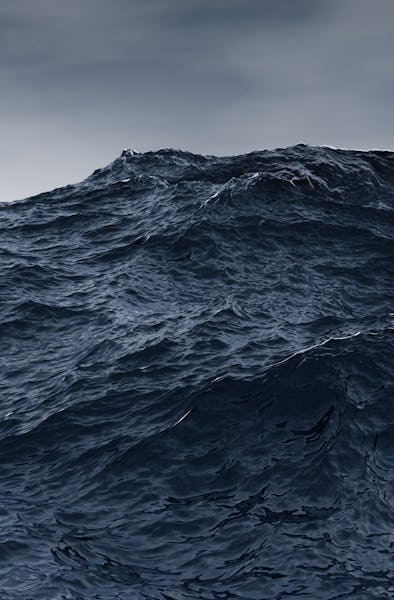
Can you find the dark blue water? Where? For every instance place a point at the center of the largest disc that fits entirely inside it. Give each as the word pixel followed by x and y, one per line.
pixel 197 380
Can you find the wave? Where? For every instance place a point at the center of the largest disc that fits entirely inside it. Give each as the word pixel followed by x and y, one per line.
pixel 197 379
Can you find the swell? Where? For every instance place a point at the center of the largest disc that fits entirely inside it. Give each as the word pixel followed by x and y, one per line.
pixel 258 476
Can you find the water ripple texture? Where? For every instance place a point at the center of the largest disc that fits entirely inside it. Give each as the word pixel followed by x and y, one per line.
pixel 197 380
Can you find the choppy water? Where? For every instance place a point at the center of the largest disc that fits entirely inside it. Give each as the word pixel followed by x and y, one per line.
pixel 197 380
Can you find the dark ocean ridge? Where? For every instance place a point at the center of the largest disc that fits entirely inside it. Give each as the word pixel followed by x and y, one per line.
pixel 197 380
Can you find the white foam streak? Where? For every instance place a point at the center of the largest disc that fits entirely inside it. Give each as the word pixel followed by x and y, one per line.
pixel 318 345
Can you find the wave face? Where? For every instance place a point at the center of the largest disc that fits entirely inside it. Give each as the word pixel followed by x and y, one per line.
pixel 197 380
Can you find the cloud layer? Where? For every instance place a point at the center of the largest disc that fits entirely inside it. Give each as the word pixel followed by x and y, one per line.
pixel 81 80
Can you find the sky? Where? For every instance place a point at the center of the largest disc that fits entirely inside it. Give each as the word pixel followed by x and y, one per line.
pixel 82 79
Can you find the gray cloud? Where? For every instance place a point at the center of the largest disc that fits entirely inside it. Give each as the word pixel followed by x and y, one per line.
pixel 81 80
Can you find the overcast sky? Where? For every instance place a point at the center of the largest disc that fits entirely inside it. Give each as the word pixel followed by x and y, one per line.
pixel 82 79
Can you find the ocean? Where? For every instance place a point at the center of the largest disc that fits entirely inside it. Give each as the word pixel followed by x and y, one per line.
pixel 197 380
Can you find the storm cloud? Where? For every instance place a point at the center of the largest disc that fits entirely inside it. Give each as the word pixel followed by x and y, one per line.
pixel 81 80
